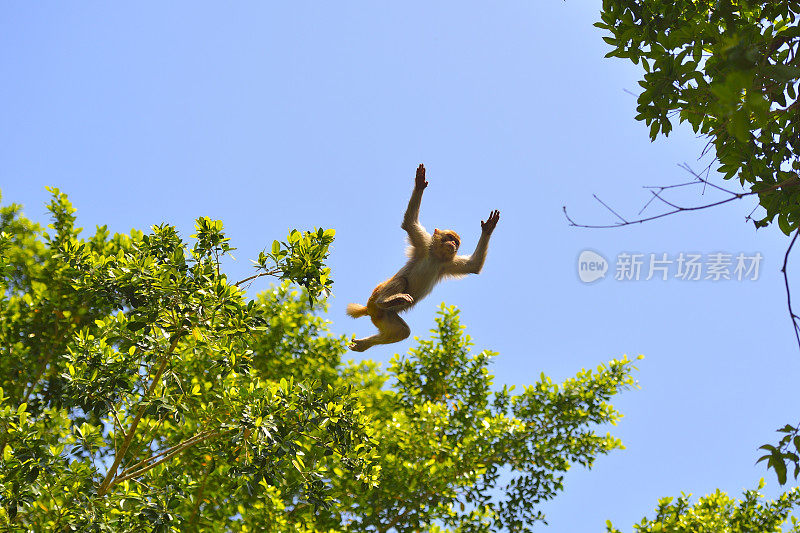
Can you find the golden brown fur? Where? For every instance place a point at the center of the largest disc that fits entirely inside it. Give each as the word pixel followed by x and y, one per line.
pixel 431 257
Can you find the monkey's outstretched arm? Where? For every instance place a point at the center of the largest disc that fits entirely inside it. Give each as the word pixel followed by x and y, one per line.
pixel 416 233
pixel 473 264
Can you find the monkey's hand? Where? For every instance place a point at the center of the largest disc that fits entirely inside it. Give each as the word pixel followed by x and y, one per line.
pixel 491 222
pixel 419 181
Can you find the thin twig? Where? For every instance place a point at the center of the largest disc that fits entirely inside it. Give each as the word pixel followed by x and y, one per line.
pixel 688 169
pixel 648 219
pixel 606 206
pixel 176 450
pixel 665 187
pixel 733 196
pixel 655 194
pixel 706 148
pixel 645 205
pixel 750 215
pixel 117 424
pixel 272 272
pixel 161 453
pixel 792 314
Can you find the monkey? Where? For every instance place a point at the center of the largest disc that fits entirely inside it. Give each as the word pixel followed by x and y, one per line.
pixel 430 258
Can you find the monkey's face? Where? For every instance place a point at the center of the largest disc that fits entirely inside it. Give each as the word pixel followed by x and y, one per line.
pixel 445 244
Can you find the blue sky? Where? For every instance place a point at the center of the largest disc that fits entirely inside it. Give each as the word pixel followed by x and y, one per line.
pixel 272 117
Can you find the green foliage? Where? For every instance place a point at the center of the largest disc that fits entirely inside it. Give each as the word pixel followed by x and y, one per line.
pixel 141 391
pixel 447 443
pixel 718 512
pixel 301 259
pixel 786 453
pixel 730 69
pixel 128 385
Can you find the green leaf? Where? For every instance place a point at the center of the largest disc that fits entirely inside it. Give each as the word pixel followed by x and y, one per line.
pixel 780 471
pixel 783 224
pixel 739 126
pixel 781 72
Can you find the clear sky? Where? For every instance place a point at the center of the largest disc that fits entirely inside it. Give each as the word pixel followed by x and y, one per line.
pixel 274 116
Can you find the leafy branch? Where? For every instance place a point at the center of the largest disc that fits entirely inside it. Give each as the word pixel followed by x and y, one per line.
pixel 301 259
pixel 165 455
pixel 779 455
pixel 126 442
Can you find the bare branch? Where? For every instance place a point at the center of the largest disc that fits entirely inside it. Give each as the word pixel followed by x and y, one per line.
pixel 665 187
pixel 606 206
pixel 273 272
pixel 648 219
pixel 792 316
pixel 175 451
pixel 732 196
pixel 688 169
pixel 161 453
pixel 648 203
pixel 676 209
pixel 750 214
pixel 656 195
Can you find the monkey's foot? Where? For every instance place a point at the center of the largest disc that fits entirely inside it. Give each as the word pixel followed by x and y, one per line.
pixel 359 345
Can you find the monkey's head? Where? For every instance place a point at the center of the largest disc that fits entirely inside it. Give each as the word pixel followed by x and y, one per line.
pixel 445 243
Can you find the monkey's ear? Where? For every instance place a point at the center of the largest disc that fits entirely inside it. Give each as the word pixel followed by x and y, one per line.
pixel 436 231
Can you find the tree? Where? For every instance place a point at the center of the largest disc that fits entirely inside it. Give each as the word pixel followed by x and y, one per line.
pixel 446 440
pixel 730 69
pixel 128 358
pixel 719 512
pixel 142 391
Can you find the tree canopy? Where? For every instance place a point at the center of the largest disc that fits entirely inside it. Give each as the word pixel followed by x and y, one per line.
pixel 730 70
pixel 141 390
pixel 719 512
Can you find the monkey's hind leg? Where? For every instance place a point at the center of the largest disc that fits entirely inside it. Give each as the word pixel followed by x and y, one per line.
pixel 391 296
pixel 391 328
pixel 396 302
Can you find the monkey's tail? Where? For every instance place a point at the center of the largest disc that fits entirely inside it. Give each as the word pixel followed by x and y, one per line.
pixel 357 310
